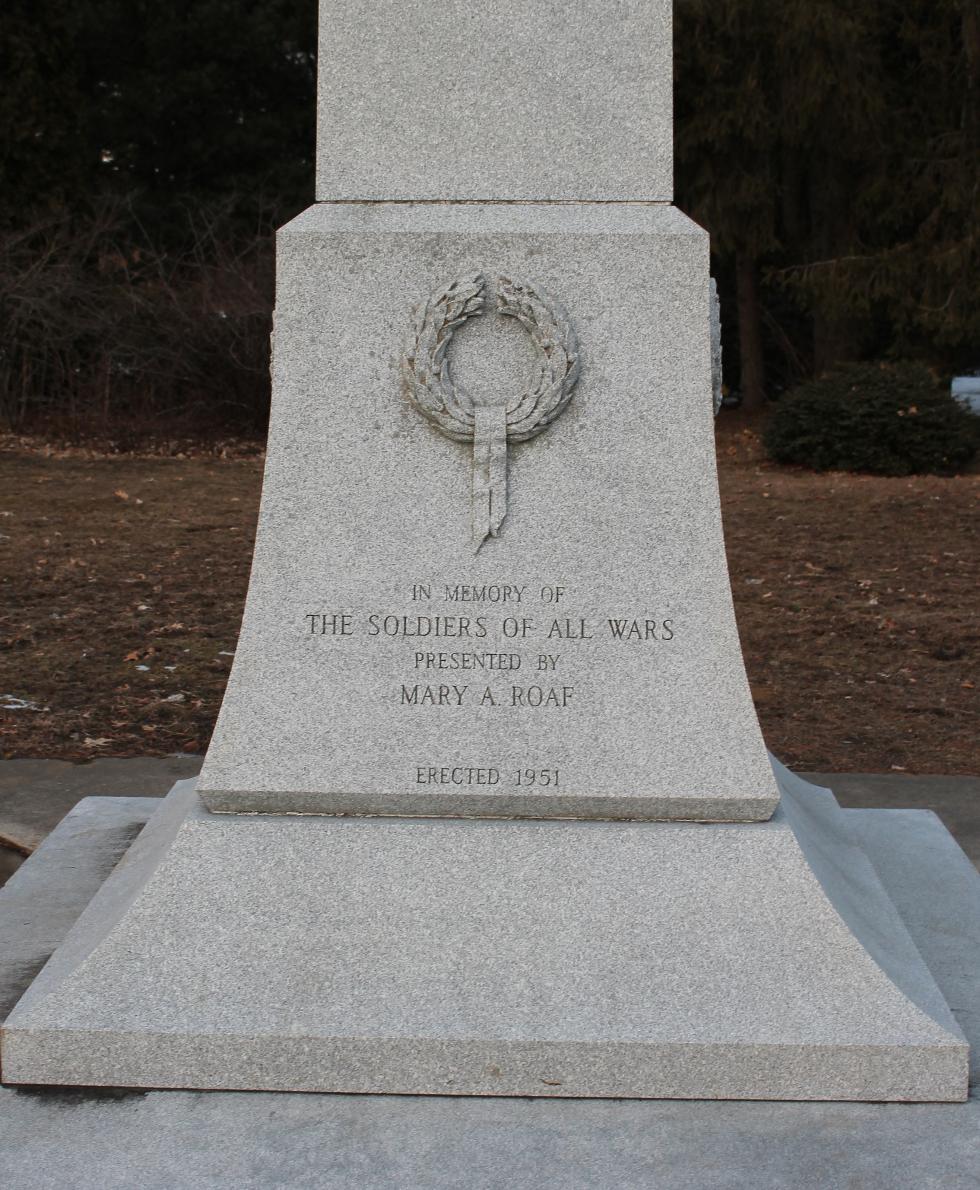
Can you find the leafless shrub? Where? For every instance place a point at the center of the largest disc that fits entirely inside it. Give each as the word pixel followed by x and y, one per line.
pixel 102 329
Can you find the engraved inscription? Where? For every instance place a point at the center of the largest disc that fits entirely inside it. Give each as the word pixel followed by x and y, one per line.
pixel 435 774
pixel 478 649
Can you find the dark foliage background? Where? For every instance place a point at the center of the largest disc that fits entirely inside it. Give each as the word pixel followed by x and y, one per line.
pixel 832 149
pixel 147 152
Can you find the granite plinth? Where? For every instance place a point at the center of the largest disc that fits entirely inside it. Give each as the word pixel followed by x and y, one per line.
pixel 585 663
pixel 502 101
pixel 53 1137
pixel 553 959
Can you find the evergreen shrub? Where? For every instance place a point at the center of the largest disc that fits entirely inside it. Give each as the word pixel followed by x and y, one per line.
pixel 883 419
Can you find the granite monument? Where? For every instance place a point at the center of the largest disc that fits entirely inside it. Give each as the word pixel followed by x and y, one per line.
pixel 487 810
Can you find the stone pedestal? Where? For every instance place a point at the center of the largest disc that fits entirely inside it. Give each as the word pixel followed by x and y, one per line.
pixel 490 596
pixel 53 1137
pixel 440 956
pixel 385 666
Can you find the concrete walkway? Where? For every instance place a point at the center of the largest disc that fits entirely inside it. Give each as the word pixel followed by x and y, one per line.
pixel 36 794
pixel 956 800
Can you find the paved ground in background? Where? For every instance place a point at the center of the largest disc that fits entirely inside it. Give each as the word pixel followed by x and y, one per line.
pixel 36 794
pixel 956 800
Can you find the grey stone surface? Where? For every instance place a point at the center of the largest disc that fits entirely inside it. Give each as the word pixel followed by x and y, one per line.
pixel 934 887
pixel 36 794
pixel 717 368
pixel 444 956
pixel 51 1138
pixel 956 799
pixel 616 504
pixel 24 783
pixel 510 100
pixel 42 791
pixel 42 901
pixel 185 1141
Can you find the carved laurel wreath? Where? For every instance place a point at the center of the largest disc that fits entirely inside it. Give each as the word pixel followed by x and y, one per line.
pixel 426 367
pixel 490 422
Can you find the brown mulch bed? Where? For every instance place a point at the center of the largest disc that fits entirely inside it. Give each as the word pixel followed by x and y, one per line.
pixel 123 578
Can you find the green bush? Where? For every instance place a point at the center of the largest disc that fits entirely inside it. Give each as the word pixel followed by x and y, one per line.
pixel 885 419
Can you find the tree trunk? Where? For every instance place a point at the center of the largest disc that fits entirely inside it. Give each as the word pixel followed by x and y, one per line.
pixel 753 374
pixel 836 340
pixel 971 99
pixel 837 330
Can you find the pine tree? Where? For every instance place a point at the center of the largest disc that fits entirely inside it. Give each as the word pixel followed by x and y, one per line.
pixel 727 142
pixel 176 104
pixel 831 149
pixel 40 159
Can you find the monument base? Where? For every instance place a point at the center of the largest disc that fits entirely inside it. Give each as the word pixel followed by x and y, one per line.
pixel 648 960
pixel 367 512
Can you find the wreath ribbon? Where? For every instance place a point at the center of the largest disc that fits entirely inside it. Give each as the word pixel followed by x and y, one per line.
pixel 489 424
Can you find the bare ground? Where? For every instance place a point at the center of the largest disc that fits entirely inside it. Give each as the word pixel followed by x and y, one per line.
pixel 123 579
